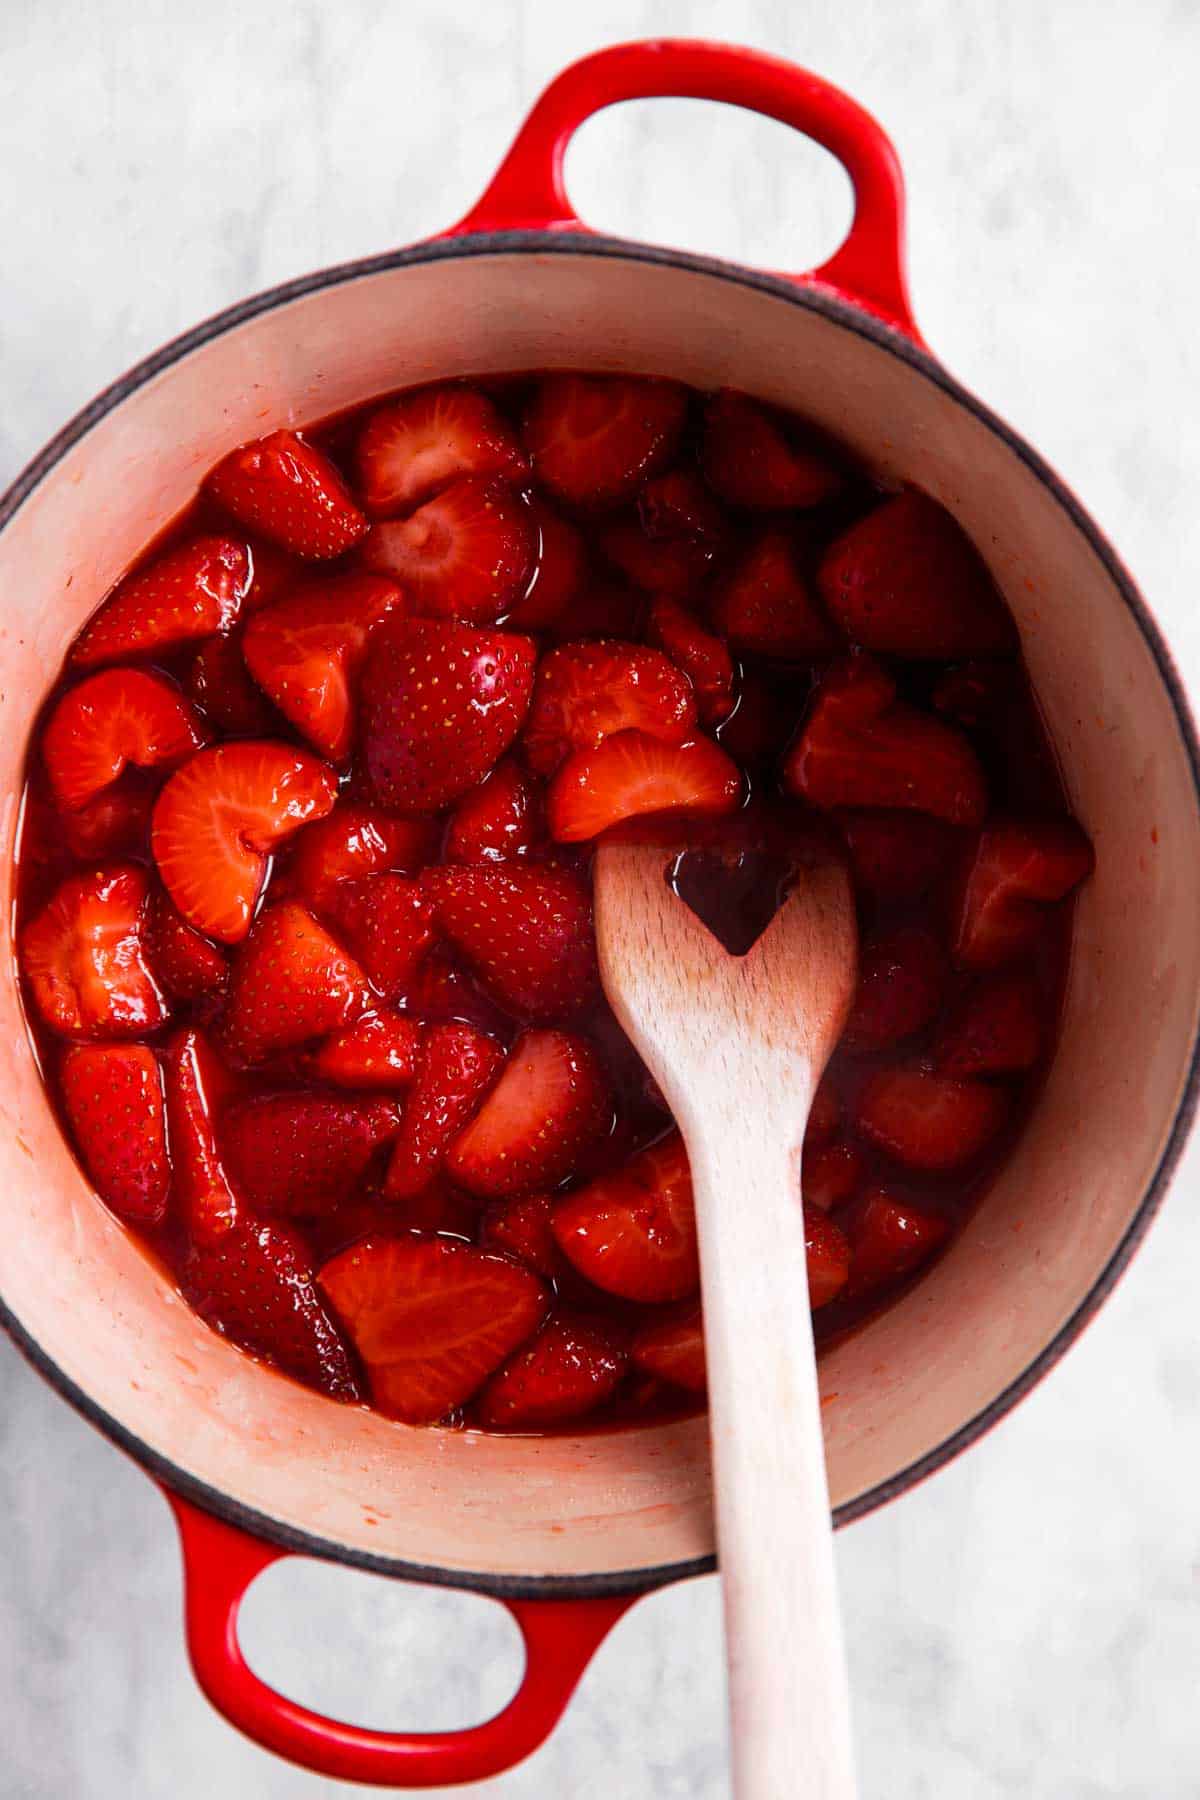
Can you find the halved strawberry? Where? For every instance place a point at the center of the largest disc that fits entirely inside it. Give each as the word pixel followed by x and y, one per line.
pixel 114 1101
pixel 994 1027
pixel 550 1105
pixel 526 932
pixel 190 592
pixel 752 458
pixel 290 982
pixel 117 717
pixel 704 659
pixel 673 1350
pixel 420 443
pixel 559 572
pixel 503 817
pixel 632 774
pixel 219 681
pixel 571 1367
pixel 441 703
pixel 430 1318
pixel 466 554
pixel 84 958
pixel 906 581
pixel 896 856
pixel 860 746
pixel 299 1153
pixel 456 1067
pixel 307 649
pixel 765 605
pixel 826 1258
pixel 292 493
pixel 115 823
pixel 521 1227
pixel 832 1175
pixel 633 1232
pixel 219 817
pixel 901 979
pixel 378 1051
pixel 929 1121
pixel 197 1085
pixel 605 608
pixel 438 1207
pixel 273 572
pixel 185 963
pixel 679 506
pixel 387 921
pixel 1016 870
pixel 584 693
pixel 353 842
pixel 889 1238
pixel 676 566
pixel 594 438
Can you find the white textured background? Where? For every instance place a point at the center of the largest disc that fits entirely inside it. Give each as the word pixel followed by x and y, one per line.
pixel 1026 1624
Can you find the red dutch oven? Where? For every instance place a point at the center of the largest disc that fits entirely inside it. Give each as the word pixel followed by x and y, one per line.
pixel 568 1531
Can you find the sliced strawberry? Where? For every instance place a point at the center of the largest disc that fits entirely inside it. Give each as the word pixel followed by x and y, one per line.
pixel 117 717
pixel 197 1085
pixel 387 921
pixel 443 993
pixel 906 581
pixel 83 956
pixel 901 979
pixel 570 1368
pixel 115 823
pixel 560 571
pixel 441 703
pixel 417 445
pixel 455 1069
pixel 929 1121
pixel 753 458
pixel 676 566
pixel 526 932
pixel 192 591
pixel 273 572
pixel 290 982
pixel 521 1227
pixel 889 1238
pixel 431 1318
pixel 826 1257
pixel 606 608
pixel 1016 870
pixel 896 856
pixel 503 817
pixel 290 492
pixel 594 438
pixel 758 728
pixel 466 554
pixel 438 1207
pixel 764 604
pixel 550 1105
pixel 832 1174
pixel 379 1051
pixel 585 692
pixel 633 1232
pixel 632 774
pixel 219 817
pixel 673 1350
pixel 184 963
pixel 306 651
pixel 860 746
pixel 704 659
pixel 353 842
pixel 114 1101
pixel 297 1153
pixel 679 506
pixel 219 681
pixel 994 1027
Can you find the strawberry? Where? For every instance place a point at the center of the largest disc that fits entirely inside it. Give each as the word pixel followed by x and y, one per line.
pixel 678 506
pixel 860 746
pixel 219 681
pixel 441 703
pixel 387 922
pixel 584 693
pixel 901 978
pixel 117 717
pixel 113 1098
pixel 760 724
pixel 438 1207
pixel 466 554
pixel 441 993
pixel 431 1318
pixel 115 823
pixel 764 604
pixel 559 574
pixel 676 566
pixel 456 1067
pixel 633 1232
pixel 825 1115
pixel 501 818
pixel 594 438
pixel 752 458
pixel 906 581
pixel 521 1227
pixel 84 960
pixel 526 932
pixel 290 982
pixel 632 774
pixel 291 493
pixel 672 1349
pixel 273 572
pixel 889 1238
pixel 994 1027
pixel 297 1153
pixel 219 817
pixel 417 445
pixel 378 1051
pixel 306 651
pixel 189 592
pixel 353 842
pixel 185 964
pixel 929 1121
pixel 198 1084
pixel 549 1105
pixel 832 1174
pixel 826 1257
pixel 704 659
pixel 606 608
pixel 570 1368
pixel 1016 869
pixel 978 695
pixel 896 856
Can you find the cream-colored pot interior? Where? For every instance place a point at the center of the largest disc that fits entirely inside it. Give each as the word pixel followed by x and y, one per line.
pixel 79 1288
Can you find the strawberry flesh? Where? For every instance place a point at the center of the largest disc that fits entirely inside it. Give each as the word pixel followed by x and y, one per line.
pixel 291 493
pixel 1016 871
pixel 189 593
pixel 549 1106
pixel 994 1027
pixel 633 1232
pixel 118 717
pixel 113 1097
pixel 298 1154
pixel 526 933
pixel 570 1368
pixel 889 1239
pixel 418 445
pixel 593 439
pixel 929 1121
pixel 827 1258
pixel 466 554
pixel 633 774
pixel 84 957
pixel 673 1350
pixel 585 692
pixel 901 979
pixel 752 460
pixel 456 1067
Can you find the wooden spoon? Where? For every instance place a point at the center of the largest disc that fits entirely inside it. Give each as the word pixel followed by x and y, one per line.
pixel 738 1044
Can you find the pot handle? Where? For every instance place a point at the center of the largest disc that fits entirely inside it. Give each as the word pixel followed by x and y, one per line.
pixel 220 1561
pixel 527 191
